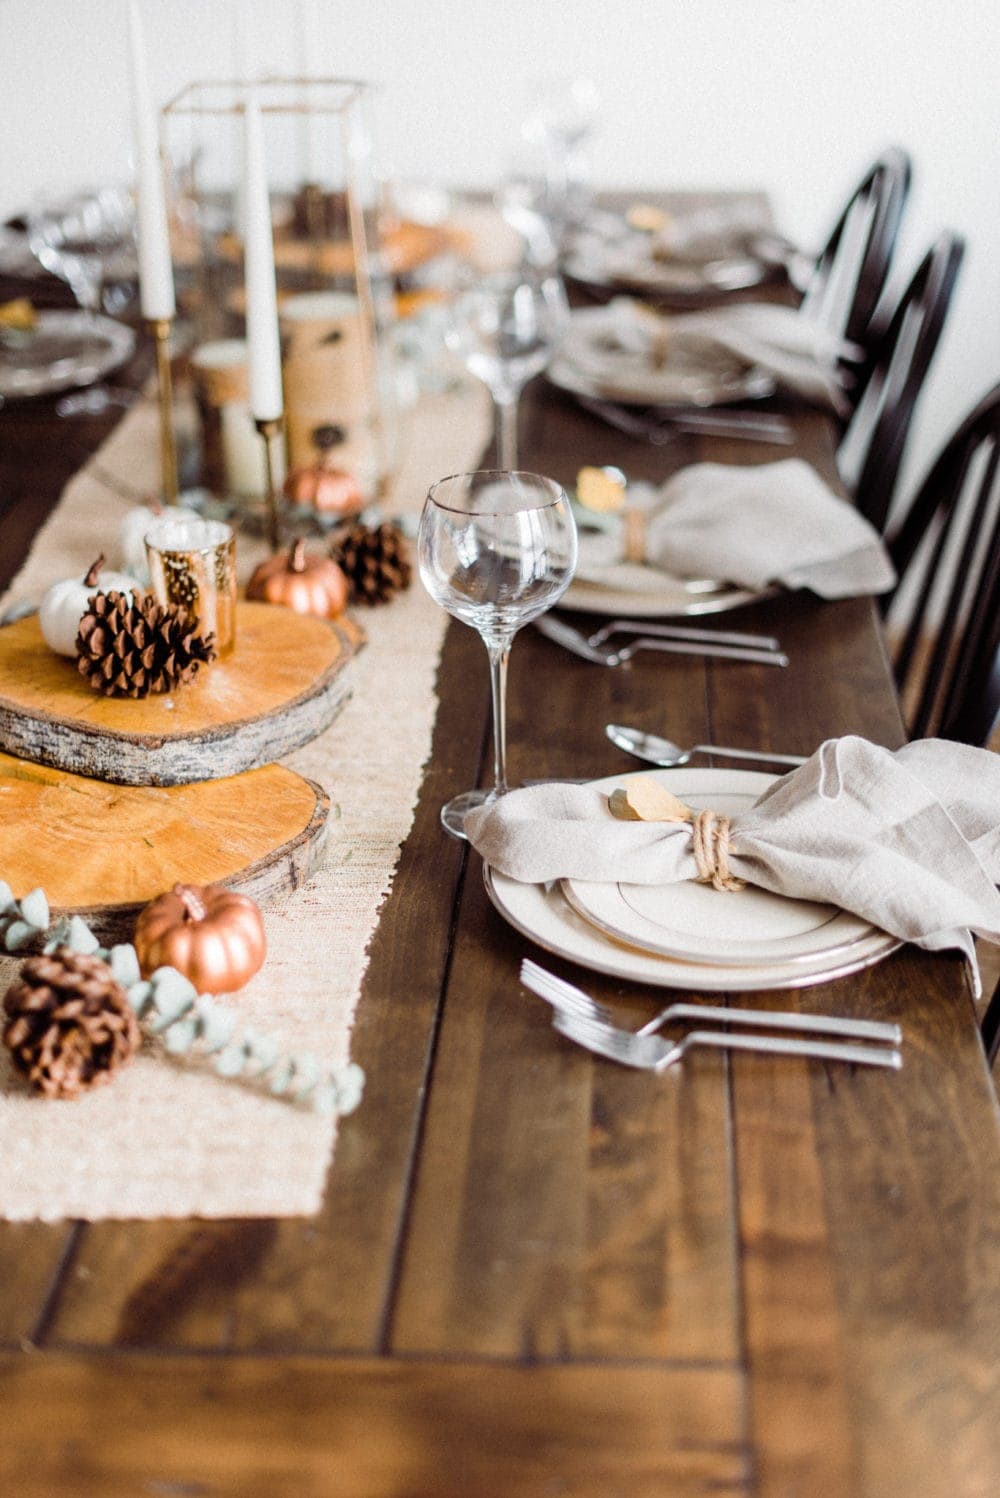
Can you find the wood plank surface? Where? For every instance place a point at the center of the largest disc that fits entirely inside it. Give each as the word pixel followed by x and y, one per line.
pixel 238 1427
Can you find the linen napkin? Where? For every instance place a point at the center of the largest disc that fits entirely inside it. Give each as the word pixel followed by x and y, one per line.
pixel 772 523
pixel 626 348
pixel 909 840
pixel 700 235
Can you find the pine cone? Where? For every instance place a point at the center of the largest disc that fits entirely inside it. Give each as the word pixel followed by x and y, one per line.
pixel 131 649
pixel 70 1025
pixel 375 561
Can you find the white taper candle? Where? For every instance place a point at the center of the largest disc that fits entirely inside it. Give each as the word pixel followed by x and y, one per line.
pixel 156 279
pixel 261 294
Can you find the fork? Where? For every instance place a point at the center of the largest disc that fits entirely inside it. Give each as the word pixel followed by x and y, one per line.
pixel 682 632
pixel 572 1000
pixel 571 639
pixel 651 1053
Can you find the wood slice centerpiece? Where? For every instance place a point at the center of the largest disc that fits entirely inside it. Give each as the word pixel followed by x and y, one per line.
pixel 285 681
pixel 102 850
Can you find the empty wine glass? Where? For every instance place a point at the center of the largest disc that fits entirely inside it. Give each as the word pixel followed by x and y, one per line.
pixel 87 239
pixel 506 325
pixel 495 549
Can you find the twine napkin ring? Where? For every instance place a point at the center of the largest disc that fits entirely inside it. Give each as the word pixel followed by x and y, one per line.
pixel 645 800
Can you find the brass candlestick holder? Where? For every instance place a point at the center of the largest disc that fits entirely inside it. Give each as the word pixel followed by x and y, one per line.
pixel 269 428
pixel 160 328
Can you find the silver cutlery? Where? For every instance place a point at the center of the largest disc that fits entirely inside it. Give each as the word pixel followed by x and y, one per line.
pixel 572 1000
pixel 682 632
pixel 651 1053
pixel 664 426
pixel 573 640
pixel 654 750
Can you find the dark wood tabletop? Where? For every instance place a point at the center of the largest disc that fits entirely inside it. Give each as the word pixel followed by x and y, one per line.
pixel 535 1272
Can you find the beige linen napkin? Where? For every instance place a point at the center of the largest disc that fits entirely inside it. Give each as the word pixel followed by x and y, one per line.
pixel 628 349
pixel 773 523
pixel 909 840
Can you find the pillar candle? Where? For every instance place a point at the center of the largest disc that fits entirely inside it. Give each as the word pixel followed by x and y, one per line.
pixel 261 293
pixel 156 280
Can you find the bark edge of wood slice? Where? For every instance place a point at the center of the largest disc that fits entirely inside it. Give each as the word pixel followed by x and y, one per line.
pixel 285 682
pixel 102 851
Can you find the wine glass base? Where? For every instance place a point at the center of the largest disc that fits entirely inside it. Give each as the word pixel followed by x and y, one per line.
pixel 454 812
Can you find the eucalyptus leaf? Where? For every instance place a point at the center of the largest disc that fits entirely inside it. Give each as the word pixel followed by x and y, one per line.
pixel 350 1082
pixel 264 1053
pixel 307 1075
pixel 58 936
pixel 171 987
pixel 124 963
pixel 18 935
pixel 80 938
pixel 6 896
pixel 215 1025
pixel 35 909
pixel 180 1036
pixel 140 996
pixel 169 1007
pixel 326 1099
pixel 281 1078
pixel 229 1062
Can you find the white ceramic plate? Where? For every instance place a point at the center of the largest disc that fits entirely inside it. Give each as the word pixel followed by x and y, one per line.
pixel 63 350
pixel 543 914
pixel 592 361
pixel 689 921
pixel 688 281
pixel 669 598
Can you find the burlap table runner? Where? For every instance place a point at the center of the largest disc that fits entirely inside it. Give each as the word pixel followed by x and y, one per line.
pixel 170 1139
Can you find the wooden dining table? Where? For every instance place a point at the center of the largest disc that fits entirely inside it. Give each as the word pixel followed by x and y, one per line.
pixel 536 1272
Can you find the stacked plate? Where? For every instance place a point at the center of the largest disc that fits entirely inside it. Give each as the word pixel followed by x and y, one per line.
pixel 688 935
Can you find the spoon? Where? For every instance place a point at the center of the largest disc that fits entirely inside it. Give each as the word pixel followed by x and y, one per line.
pixel 657 751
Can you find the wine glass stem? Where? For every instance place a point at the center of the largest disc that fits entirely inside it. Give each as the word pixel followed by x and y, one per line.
pixel 499 656
pixel 506 408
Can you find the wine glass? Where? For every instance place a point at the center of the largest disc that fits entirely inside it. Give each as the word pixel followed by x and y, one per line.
pixel 87 239
pixel 495 549
pixel 506 325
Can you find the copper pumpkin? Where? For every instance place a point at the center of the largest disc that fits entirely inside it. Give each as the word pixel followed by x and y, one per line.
pixel 332 491
pixel 308 582
pixel 212 935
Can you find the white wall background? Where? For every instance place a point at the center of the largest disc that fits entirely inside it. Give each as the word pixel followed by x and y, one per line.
pixel 792 95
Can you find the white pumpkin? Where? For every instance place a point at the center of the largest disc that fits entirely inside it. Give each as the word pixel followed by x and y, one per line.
pixel 66 602
pixel 132 534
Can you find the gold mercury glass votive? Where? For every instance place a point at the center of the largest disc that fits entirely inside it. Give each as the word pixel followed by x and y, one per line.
pixel 192 564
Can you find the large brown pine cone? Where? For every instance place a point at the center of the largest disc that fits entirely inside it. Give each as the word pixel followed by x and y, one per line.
pixel 70 1025
pixel 131 649
pixel 375 561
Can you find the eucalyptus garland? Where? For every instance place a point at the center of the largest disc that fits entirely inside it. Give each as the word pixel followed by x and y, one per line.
pixel 168 1005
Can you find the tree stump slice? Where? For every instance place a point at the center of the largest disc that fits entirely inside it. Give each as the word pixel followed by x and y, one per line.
pixel 286 680
pixel 103 851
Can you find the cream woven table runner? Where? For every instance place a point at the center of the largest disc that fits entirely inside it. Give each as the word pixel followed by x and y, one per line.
pixel 170 1139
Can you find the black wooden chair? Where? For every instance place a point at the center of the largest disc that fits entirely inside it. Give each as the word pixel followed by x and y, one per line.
pixel 989 1027
pixel 849 275
pixel 946 551
pixel 872 447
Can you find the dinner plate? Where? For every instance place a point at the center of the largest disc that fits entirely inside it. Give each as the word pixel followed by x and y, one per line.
pixel 668 597
pixel 680 281
pixel 64 349
pixel 633 590
pixel 683 378
pixel 543 914
pixel 689 921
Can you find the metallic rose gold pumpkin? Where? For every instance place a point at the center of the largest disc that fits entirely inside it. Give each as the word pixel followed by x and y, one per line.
pixel 212 935
pixel 332 491
pixel 306 581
